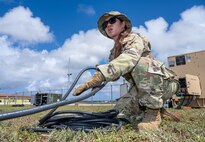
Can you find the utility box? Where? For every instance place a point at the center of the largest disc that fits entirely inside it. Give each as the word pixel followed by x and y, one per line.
pixel 193 85
pixel 46 98
pixel 190 85
pixel 190 69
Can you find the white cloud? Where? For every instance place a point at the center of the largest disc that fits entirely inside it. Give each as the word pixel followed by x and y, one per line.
pixel 32 70
pixel 83 50
pixel 89 10
pixel 183 36
pixel 20 25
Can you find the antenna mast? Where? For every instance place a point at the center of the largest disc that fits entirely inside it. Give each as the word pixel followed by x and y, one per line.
pixel 69 73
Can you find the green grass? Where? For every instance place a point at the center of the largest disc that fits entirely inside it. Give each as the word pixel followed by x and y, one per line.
pixel 191 128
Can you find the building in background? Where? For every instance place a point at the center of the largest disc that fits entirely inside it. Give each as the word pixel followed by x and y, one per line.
pixel 15 100
pixel 45 98
pixel 190 69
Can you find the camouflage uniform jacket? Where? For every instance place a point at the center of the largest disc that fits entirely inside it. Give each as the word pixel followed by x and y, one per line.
pixel 123 60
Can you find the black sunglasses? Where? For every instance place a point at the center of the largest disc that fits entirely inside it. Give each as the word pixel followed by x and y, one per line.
pixel 111 21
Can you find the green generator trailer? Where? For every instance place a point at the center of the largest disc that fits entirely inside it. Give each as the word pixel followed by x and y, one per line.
pixel 46 98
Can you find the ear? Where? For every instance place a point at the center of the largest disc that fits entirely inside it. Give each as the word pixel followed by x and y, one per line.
pixel 123 24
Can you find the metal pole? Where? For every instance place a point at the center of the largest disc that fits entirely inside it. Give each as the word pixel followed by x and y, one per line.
pixel 69 73
pixel 92 100
pixel 111 95
pixel 23 99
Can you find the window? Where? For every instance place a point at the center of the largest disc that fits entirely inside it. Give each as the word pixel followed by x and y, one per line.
pixel 180 60
pixel 171 63
pixel 188 59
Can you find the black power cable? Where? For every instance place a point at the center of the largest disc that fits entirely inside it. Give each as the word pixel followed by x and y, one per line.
pixel 68 92
pixel 80 121
pixel 20 113
pixel 77 121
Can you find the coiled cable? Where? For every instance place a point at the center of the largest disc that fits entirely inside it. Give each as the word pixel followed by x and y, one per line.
pixel 77 121
pixel 80 121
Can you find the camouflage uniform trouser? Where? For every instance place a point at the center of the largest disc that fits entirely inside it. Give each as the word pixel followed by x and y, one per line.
pixel 129 106
pixel 150 90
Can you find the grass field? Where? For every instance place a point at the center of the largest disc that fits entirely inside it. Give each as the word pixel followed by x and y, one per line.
pixel 191 128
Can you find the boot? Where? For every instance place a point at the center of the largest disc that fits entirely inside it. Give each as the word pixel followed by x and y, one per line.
pixel 151 120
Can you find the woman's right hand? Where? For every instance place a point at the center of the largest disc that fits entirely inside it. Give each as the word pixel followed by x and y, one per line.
pixel 80 89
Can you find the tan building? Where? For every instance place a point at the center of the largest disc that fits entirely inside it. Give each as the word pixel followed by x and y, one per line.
pixel 13 99
pixel 186 65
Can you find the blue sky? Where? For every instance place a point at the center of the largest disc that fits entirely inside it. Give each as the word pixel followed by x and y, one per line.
pixel 66 17
pixel 39 39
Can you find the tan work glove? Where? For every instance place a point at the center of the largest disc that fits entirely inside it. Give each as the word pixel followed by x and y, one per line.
pixel 94 81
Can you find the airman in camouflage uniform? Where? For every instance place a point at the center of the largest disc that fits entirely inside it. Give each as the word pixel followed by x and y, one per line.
pixel 151 82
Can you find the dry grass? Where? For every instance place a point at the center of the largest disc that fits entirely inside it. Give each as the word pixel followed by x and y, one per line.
pixel 189 129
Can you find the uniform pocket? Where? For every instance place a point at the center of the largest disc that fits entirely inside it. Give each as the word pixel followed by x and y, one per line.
pixel 171 87
pixel 155 67
pixel 168 73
